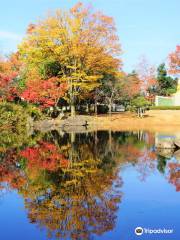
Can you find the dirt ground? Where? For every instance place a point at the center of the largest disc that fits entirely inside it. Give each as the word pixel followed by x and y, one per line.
pixel 154 120
pixel 162 121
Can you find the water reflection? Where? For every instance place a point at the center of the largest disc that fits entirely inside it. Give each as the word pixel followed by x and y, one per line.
pixel 71 183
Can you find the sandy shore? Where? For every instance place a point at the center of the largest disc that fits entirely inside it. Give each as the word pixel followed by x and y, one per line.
pixel 154 120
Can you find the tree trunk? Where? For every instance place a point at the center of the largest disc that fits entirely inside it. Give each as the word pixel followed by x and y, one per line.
pixel 87 108
pixel 110 141
pixel 73 112
pixel 72 99
pixel 110 107
pixel 95 108
pixel 140 112
pixel 72 149
pixel 73 135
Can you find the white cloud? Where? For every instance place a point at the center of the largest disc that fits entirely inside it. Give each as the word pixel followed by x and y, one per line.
pixel 9 35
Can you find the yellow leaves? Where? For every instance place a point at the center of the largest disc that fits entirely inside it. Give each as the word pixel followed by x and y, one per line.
pixel 65 147
pixel 71 67
pixel 94 78
pixel 71 182
pixel 78 174
pixel 91 170
pixel 2 149
pixel 59 50
pixel 82 42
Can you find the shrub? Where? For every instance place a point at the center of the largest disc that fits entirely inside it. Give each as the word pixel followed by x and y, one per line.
pixel 33 112
pixel 12 114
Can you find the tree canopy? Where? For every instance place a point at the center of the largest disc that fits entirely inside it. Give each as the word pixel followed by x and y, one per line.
pixel 166 84
pixel 77 47
pixel 174 61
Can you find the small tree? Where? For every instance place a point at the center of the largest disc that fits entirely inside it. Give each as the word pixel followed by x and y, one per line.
pixel 131 87
pixel 140 104
pixel 110 89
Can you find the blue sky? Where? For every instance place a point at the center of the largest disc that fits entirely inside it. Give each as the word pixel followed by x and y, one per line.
pixel 145 27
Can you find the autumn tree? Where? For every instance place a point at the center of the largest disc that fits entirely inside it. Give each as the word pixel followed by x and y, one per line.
pixel 9 70
pixel 131 86
pixel 76 46
pixel 174 61
pixel 147 75
pixel 45 93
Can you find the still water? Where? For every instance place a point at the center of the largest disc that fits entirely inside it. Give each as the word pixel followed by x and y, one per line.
pixel 98 185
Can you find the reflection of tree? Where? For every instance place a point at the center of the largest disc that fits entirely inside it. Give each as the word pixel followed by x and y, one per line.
pixel 72 200
pixel 161 164
pixel 174 175
pixel 45 156
pixel 137 149
pixel 71 183
pixel 10 171
pixel 75 210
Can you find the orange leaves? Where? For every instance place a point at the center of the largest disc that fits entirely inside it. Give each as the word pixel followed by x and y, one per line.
pixel 9 70
pixel 96 38
pixel 77 8
pixel 174 175
pixel 174 61
pixel 131 85
pixel 31 28
pixel 82 42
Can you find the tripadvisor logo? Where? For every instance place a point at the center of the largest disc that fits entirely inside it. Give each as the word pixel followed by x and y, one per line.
pixel 139 231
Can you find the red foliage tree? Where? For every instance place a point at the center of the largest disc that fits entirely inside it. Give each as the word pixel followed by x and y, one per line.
pixel 46 93
pixel 174 61
pixel 131 86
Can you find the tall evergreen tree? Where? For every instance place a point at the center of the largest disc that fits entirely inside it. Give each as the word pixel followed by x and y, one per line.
pixel 166 84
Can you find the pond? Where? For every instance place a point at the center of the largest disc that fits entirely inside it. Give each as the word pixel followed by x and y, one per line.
pixel 92 185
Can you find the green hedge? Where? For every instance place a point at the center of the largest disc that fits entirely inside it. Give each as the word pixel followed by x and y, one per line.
pixel 165 108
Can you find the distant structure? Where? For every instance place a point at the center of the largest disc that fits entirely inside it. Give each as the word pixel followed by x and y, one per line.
pixel 173 100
